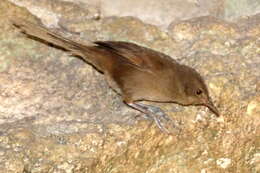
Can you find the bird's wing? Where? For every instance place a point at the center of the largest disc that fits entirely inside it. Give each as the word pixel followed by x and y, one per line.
pixel 136 55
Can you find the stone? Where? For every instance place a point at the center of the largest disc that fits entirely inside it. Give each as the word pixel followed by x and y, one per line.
pixel 57 113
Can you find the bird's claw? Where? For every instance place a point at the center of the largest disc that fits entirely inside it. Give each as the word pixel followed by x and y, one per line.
pixel 157 114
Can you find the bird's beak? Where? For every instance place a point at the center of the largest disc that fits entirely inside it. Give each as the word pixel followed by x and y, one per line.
pixel 211 106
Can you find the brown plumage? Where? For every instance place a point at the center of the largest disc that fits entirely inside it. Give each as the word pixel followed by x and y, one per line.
pixel 135 72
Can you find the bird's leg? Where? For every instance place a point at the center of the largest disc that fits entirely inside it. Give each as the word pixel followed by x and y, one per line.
pixel 154 112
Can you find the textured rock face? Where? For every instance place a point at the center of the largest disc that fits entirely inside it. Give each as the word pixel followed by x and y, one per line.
pixel 160 13
pixel 57 113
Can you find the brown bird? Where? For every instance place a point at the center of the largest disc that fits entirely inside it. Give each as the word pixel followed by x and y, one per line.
pixel 137 73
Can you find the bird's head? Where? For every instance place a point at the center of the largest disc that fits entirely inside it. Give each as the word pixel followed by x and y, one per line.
pixel 195 90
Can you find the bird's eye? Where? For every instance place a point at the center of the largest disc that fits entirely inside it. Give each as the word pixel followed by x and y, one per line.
pixel 198 92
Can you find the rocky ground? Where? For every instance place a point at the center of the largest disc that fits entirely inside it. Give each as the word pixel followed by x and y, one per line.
pixel 57 113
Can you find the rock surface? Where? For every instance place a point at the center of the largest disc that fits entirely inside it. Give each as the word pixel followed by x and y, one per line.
pixel 57 113
pixel 160 13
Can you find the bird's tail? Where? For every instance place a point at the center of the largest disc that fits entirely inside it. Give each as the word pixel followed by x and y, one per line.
pixel 87 50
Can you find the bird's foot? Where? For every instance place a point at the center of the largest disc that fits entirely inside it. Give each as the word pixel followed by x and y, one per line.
pixel 157 114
